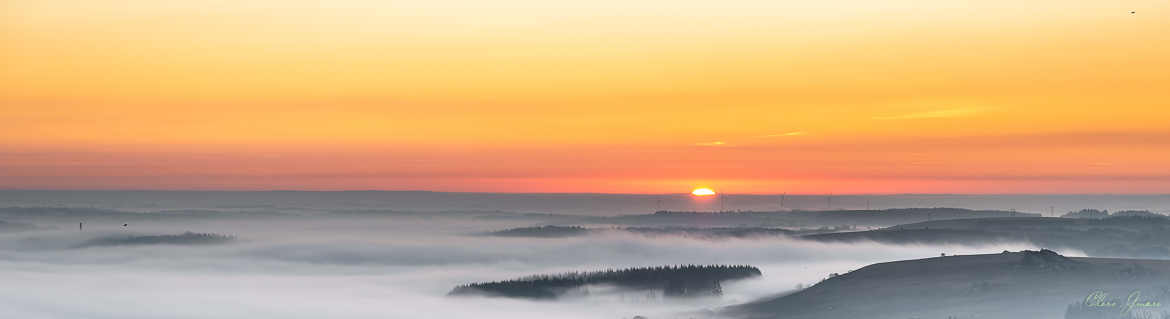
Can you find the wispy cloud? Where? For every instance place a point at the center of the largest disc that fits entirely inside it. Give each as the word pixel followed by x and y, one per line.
pixel 934 114
pixel 724 143
pixel 796 133
pixel 715 143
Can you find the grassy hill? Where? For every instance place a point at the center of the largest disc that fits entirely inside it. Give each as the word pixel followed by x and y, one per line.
pixel 1029 284
pixel 1130 237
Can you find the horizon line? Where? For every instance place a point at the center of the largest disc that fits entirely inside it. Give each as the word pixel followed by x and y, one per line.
pixel 550 193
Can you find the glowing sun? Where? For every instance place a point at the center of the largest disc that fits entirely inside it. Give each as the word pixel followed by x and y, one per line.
pixel 702 191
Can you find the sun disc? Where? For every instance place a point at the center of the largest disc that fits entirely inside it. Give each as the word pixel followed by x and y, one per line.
pixel 702 191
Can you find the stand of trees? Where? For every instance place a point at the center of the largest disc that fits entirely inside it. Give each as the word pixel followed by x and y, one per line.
pixel 187 238
pixel 542 231
pixel 673 281
pixel 1102 214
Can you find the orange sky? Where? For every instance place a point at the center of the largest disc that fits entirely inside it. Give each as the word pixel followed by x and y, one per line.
pixel 593 96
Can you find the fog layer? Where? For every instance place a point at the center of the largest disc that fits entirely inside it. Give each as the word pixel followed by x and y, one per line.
pixel 373 267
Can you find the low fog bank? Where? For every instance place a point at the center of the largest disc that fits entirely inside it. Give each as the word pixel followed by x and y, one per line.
pixel 386 267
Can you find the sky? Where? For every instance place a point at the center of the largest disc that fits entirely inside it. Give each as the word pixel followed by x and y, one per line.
pixel 608 96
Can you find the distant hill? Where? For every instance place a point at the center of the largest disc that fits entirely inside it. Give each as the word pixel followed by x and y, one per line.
pixel 688 232
pixel 187 238
pixel 796 219
pixel 1101 214
pixel 1132 237
pixel 1136 213
pixel 82 213
pixel 15 227
pixel 711 232
pixel 1087 213
pixel 70 212
pixel 542 231
pixel 671 281
pixel 1010 285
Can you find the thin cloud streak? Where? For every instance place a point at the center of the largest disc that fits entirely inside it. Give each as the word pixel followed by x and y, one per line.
pixel 795 133
pixel 935 114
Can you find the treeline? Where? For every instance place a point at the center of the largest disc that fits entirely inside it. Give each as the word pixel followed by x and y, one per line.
pixel 937 212
pixel 1102 214
pixel 808 218
pixel 542 231
pixel 1120 236
pixel 187 238
pixel 673 281
pixel 711 232
pixel 690 232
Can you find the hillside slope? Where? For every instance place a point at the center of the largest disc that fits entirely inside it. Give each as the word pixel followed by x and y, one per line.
pixel 1128 237
pixel 1028 284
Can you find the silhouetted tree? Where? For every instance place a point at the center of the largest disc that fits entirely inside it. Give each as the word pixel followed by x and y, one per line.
pixel 674 281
